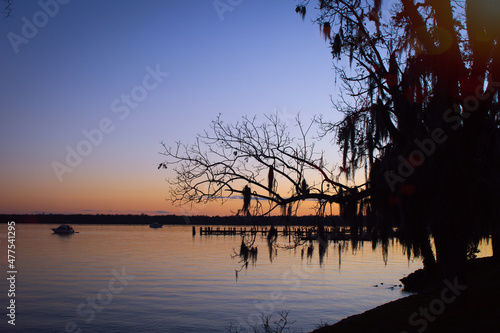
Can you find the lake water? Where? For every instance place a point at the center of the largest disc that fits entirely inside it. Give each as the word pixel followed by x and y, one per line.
pixel 116 278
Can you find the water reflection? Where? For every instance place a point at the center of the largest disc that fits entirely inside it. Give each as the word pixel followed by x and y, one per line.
pixel 302 238
pixel 272 249
pixel 322 251
pixel 179 277
pixel 306 240
pixel 247 252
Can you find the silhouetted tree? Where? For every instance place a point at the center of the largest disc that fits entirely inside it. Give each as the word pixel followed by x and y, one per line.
pixel 420 87
pixel 259 162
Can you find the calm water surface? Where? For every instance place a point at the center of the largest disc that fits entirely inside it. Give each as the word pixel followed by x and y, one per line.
pixel 111 278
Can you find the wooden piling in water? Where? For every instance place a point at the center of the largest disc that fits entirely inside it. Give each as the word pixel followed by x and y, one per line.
pixel 306 233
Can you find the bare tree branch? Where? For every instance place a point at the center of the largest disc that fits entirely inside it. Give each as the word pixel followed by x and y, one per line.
pixel 225 160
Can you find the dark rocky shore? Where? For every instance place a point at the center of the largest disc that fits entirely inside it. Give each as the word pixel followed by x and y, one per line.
pixel 473 307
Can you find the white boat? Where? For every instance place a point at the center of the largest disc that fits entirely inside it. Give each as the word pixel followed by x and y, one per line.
pixel 63 229
pixel 155 225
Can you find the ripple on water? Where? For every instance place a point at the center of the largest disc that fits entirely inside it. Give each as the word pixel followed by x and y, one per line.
pixel 183 283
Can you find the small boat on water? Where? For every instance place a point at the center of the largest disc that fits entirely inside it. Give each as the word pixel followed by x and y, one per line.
pixel 155 225
pixel 63 229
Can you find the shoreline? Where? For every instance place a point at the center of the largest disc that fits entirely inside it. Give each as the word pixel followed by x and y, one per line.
pixel 456 308
pixel 196 220
pixel 475 307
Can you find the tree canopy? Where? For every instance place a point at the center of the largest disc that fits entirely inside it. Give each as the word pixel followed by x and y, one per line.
pixel 255 160
pixel 420 101
pixel 421 113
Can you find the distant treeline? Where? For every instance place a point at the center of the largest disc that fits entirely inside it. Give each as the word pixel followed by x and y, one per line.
pixel 171 219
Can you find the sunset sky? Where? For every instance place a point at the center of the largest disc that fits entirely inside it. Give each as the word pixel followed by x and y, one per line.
pixel 130 74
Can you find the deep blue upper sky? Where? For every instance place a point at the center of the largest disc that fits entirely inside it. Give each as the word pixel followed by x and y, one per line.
pixel 258 58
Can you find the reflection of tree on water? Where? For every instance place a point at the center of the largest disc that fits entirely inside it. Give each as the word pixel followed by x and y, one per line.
pixel 294 239
pixel 272 249
pixel 322 252
pixel 248 252
pixel 310 250
pixel 272 235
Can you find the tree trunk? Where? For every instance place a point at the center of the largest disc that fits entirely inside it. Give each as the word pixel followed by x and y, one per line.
pixel 429 260
pixel 495 242
pixel 451 253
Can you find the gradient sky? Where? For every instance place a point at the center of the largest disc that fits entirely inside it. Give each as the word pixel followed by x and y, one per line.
pixel 71 74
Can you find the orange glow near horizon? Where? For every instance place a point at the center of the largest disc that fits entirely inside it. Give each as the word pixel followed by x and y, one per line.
pixel 56 156
pixel 125 199
pixel 100 189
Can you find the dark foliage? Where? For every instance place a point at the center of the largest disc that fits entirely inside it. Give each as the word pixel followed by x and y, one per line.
pixel 421 106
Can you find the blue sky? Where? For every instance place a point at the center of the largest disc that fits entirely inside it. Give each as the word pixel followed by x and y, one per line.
pixel 257 58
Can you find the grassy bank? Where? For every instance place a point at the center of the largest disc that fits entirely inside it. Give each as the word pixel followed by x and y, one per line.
pixel 475 308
